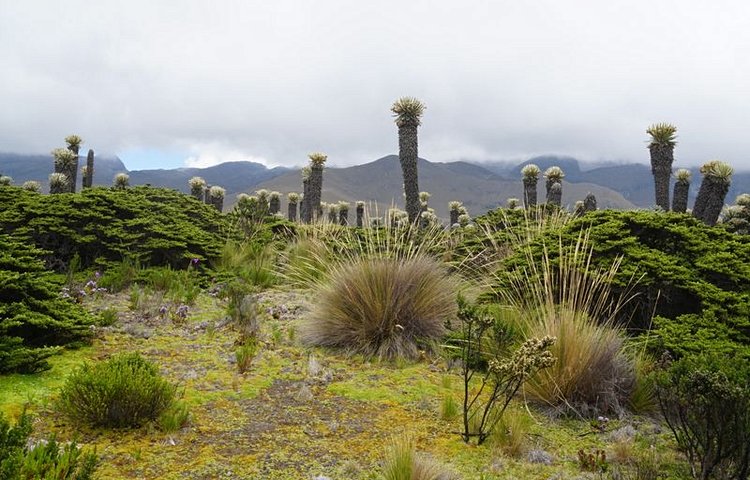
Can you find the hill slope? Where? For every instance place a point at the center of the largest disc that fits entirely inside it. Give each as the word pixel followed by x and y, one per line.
pixel 478 188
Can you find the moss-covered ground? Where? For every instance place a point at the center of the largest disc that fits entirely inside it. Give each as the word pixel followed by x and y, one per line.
pixel 299 413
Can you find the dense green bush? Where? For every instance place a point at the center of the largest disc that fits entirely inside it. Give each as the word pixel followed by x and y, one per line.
pixel 34 319
pixel 705 400
pixel 124 391
pixel 694 278
pixel 154 225
pixel 382 307
pixel 45 460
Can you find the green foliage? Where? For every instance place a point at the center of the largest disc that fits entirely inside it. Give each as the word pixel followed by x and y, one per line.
pixel 107 317
pixel 45 460
pixel 245 354
pixel 705 400
pixel 152 225
pixel 174 417
pixel 694 278
pixel 662 134
pixel 595 461
pixel 250 261
pixel 382 307
pixel 124 391
pixel 34 318
pixel 408 110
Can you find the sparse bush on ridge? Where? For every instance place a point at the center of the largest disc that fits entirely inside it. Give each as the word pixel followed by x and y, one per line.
pixel 124 391
pixel 381 307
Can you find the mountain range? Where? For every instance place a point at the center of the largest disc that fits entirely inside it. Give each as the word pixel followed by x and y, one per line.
pixel 480 186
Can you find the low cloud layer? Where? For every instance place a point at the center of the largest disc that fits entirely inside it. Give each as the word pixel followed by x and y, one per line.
pixel 273 81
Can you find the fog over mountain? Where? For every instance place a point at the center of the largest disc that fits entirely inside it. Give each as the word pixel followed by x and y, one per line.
pixel 197 83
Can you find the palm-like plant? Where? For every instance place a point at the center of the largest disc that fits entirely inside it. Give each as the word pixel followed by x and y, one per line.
pixel 661 148
pixel 32 186
pixel 343 213
pixel 530 175
pixel 681 190
pixel 5 180
pixel 454 208
pixel 717 176
pixel 274 202
pixel 121 181
pixel 554 176
pixel 408 114
pixel 58 183
pixel 74 144
pixel 66 163
pixel 88 172
pixel 317 161
pixel 589 203
pixel 293 200
pixel 216 194
pixel 305 212
pixel 197 187
pixel 360 213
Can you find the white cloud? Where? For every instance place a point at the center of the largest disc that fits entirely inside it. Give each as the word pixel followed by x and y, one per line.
pixel 213 153
pixel 277 80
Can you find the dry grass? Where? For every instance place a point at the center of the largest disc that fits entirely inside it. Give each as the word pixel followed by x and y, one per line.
pixel 565 296
pixel 403 463
pixel 382 307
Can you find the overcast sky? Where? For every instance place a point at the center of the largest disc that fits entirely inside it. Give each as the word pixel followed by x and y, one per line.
pixel 165 84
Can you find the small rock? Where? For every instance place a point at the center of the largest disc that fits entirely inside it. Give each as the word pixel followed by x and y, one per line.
pixel 321 477
pixel 539 456
pixel 190 375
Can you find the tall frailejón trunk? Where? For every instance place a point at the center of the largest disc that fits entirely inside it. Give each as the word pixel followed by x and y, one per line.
pixel 589 203
pixel 662 156
pixel 529 192
pixel 680 196
pixel 360 214
pixel 292 211
pixel 710 200
pixel 72 170
pixel 88 178
pixel 554 194
pixel 408 152
pixel 305 213
pixel 316 192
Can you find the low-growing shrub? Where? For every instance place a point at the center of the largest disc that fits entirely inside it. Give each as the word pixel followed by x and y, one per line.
pixel 108 317
pixel 245 355
pixel 705 400
pixel 45 460
pixel 124 391
pixel 381 307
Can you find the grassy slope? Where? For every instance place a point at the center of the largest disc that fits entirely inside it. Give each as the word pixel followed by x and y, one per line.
pixel 283 420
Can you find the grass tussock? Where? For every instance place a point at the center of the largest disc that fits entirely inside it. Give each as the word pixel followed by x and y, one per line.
pixel 564 296
pixel 381 307
pixel 403 463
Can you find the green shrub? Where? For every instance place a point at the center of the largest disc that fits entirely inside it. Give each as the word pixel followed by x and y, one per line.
pixel 120 275
pixel 108 317
pixel 45 460
pixel 249 260
pixel 174 417
pixel 154 225
pixel 34 318
pixel 382 307
pixel 245 354
pixel 705 400
pixel 124 391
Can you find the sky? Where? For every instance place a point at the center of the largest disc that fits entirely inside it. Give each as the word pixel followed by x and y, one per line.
pixel 195 83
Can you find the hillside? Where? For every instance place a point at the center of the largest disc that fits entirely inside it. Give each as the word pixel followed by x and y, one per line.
pixel 478 188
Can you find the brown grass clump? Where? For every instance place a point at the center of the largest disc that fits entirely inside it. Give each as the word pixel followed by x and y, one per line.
pixel 382 307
